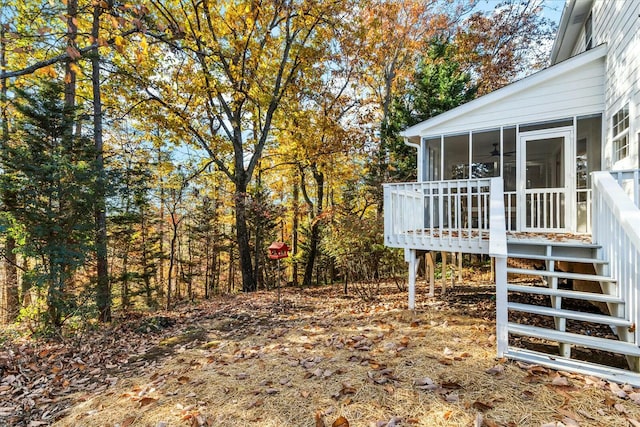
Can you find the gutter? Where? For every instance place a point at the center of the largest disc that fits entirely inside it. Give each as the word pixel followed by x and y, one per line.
pixel 411 144
pixel 419 156
pixel 567 12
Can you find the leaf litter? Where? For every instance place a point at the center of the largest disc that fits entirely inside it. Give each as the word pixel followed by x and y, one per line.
pixel 317 358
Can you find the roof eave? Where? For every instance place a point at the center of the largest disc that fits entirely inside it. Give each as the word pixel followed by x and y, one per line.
pixel 421 129
pixel 572 21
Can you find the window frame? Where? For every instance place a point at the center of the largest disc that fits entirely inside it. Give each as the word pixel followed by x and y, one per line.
pixel 620 125
pixel 588 32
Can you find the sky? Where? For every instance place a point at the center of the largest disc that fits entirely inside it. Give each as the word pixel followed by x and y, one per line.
pixel 552 8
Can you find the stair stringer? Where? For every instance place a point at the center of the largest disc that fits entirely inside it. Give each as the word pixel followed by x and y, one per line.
pixel 567 340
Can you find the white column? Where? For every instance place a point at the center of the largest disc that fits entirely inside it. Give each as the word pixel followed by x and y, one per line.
pixel 410 257
pixel 502 332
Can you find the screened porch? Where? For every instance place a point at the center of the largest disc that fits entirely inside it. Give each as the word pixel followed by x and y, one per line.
pixel 544 168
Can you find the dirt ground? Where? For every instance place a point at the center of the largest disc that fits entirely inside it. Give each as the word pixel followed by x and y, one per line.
pixel 320 358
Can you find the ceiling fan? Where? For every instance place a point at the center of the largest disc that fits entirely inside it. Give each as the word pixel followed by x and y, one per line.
pixel 496 151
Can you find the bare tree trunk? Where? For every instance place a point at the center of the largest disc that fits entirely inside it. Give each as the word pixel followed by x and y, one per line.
pixel 314 240
pixel 125 279
pixel 146 273
pixel 179 267
pixel 190 267
pixel 242 233
pixel 207 267
pixel 103 289
pixel 172 252
pixel 231 272
pixel 217 273
pixel 70 74
pixel 10 291
pixel 161 225
pixel 294 231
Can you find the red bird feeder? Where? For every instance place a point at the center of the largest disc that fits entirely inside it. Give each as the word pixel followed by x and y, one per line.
pixel 278 250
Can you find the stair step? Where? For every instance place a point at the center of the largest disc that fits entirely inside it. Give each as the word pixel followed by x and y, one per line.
pixel 587 296
pixel 574 250
pixel 561 274
pixel 552 243
pixel 618 375
pixel 582 260
pixel 577 339
pixel 569 314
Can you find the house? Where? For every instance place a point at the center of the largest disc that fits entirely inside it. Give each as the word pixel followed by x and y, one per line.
pixel 544 170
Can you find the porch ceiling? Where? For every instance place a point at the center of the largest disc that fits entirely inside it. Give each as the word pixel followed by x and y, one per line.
pixel 572 87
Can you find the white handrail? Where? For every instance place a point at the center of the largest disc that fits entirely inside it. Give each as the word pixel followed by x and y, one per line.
pixel 498 250
pixel 616 227
pixel 630 175
pixel 497 223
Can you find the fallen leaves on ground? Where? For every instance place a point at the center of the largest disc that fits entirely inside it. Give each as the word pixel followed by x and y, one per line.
pixel 319 357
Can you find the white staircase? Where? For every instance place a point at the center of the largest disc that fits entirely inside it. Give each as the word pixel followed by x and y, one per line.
pixel 547 304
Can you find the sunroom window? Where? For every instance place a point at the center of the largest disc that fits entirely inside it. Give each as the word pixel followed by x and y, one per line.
pixel 620 127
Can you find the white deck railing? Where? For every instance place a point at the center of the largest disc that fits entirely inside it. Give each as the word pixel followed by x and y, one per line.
pixel 583 210
pixel 545 208
pixel 629 180
pixel 616 227
pixel 445 215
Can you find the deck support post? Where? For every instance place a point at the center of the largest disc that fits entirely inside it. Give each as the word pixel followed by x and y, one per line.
pixel 444 272
pixel 431 265
pixel 556 302
pixel 502 317
pixel 410 257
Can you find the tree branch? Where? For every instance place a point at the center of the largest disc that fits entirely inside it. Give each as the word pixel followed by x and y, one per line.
pixel 59 58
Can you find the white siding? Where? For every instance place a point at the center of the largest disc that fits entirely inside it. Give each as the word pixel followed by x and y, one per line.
pixel 573 93
pixel 617 24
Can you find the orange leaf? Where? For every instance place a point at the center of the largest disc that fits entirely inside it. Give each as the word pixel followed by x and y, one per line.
pixel 319 421
pixel 147 400
pixel 481 406
pixel 73 52
pixel 128 421
pixel 340 422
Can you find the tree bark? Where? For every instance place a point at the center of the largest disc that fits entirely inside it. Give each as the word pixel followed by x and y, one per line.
pixel 242 234
pixel 146 269
pixel 294 231
pixel 172 256
pixel 103 288
pixel 70 74
pixel 314 240
pixel 161 230
pixel 10 291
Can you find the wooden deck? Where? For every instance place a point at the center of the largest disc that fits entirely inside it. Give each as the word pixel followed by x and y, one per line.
pixel 450 235
pixel 543 238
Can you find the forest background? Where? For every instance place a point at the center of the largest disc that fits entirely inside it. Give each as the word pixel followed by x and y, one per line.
pixel 151 151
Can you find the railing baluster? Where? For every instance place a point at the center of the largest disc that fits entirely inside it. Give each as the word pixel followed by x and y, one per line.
pixel 451 199
pixel 636 187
